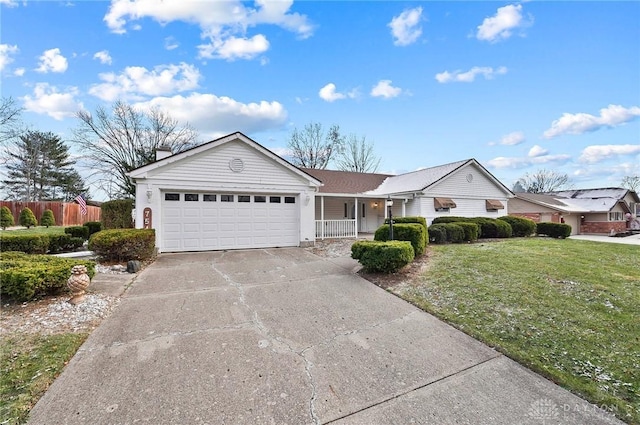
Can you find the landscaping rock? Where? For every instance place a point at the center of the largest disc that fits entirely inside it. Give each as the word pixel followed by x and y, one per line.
pixel 133 266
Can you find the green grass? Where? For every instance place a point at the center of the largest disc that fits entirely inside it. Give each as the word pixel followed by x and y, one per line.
pixel 569 310
pixel 53 230
pixel 28 365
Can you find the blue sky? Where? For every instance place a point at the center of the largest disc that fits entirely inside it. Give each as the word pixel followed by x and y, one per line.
pixel 518 86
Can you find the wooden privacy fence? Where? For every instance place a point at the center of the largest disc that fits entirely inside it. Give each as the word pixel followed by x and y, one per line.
pixel 66 214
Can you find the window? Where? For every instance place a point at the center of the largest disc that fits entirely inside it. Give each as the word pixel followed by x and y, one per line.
pixel 244 198
pixel 443 204
pixel 274 199
pixel 493 205
pixel 289 200
pixel 260 199
pixel 191 197
pixel 346 210
pixel 616 216
pixel 171 196
pixel 226 198
pixel 209 198
pixel 363 213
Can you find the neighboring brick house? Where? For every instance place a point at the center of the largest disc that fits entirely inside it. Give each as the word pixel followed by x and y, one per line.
pixel 597 211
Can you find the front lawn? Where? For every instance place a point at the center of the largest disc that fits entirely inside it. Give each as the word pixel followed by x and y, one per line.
pixel 569 310
pixel 28 365
pixel 40 230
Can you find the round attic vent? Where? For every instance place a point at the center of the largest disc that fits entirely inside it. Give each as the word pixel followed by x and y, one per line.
pixel 236 165
pixel 469 177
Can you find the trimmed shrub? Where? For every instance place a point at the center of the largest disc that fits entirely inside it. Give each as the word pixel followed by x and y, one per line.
pixel 93 226
pixel 27 218
pixel 554 230
pixel 409 219
pixel 30 244
pixel 471 231
pixel 6 218
pixel 117 214
pixel 124 244
pixel 411 232
pixel 521 226
pixel 438 233
pixel 455 232
pixel 47 219
pixel 27 276
pixel 59 243
pixel 503 229
pixel 489 227
pixel 382 257
pixel 77 232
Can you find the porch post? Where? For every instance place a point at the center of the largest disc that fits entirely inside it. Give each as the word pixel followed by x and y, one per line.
pixel 321 217
pixel 404 208
pixel 357 217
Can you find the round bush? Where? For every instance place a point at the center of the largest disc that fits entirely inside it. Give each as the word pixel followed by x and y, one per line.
pixel 6 218
pixel 124 244
pixel 47 219
pixel 27 218
pixel 471 231
pixel 503 229
pixel 521 226
pixel 437 233
pixel 383 257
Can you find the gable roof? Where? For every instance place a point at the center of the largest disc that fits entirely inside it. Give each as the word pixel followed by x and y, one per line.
pixel 605 192
pixel 141 172
pixel 346 181
pixel 421 180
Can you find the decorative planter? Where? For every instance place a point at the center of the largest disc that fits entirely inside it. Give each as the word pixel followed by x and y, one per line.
pixel 78 283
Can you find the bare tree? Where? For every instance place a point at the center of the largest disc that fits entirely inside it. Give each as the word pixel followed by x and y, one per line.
pixel 544 181
pixel 631 183
pixel 312 148
pixel 10 121
pixel 358 156
pixel 118 141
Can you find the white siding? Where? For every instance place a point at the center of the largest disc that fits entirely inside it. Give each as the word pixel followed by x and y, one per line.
pixel 213 166
pixel 456 185
pixel 464 208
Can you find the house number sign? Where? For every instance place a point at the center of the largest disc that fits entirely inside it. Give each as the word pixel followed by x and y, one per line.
pixel 146 217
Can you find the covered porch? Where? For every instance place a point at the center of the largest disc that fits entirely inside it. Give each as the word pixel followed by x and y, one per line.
pixel 346 216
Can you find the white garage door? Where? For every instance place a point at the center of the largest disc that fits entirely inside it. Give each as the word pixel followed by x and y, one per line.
pixel 214 221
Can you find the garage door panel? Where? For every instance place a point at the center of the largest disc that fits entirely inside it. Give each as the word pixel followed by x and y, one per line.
pixel 199 225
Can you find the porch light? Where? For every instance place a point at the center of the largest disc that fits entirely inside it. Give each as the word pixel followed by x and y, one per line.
pixel 389 207
pixel 149 194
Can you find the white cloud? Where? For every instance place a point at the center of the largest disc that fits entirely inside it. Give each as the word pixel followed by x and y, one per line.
pixel 6 51
pixel 48 100
pixel 537 151
pixel 223 23
pixel 19 72
pixel 330 94
pixel 511 139
pixel 215 116
pixel 136 81
pixel 233 48
pixel 521 162
pixel 9 3
pixel 597 153
pixel 470 75
pixel 501 25
pixel 104 57
pixel 171 43
pixel 385 89
pixel 52 61
pixel 611 116
pixel 405 28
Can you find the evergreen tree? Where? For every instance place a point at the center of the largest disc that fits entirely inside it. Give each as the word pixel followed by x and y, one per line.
pixel 40 169
pixel 27 218
pixel 47 219
pixel 6 218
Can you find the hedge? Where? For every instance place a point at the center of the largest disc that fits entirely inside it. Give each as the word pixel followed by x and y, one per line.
pixel 78 232
pixel 451 232
pixel 521 226
pixel 117 214
pixel 411 232
pixel 26 276
pixel 438 233
pixel 30 244
pixel 93 226
pixel 489 227
pixel 409 219
pixel 124 244
pixel 554 230
pixel 383 257
pixel 471 230
pixel 64 242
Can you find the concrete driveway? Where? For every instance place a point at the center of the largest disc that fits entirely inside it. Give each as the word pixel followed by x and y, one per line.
pixel 281 336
